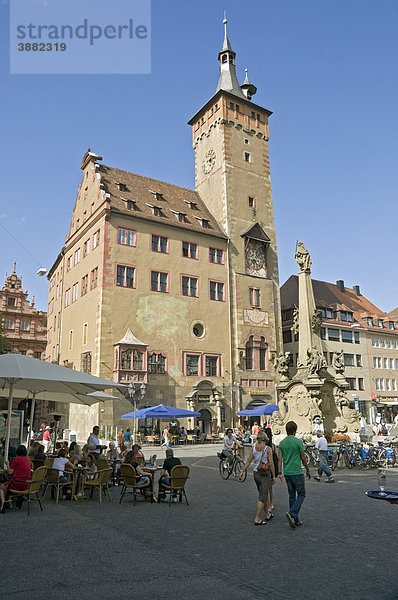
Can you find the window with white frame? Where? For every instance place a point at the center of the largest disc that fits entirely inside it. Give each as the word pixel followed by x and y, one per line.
pixel 125 276
pixel 159 281
pixel 156 363
pixel 86 247
pixel 126 237
pixel 216 291
pixel 216 255
pixel 189 286
pixel 25 325
pixel 160 244
pixel 67 297
pixel 190 250
pixel 75 292
pixel 9 323
pixel 96 239
pixel 77 256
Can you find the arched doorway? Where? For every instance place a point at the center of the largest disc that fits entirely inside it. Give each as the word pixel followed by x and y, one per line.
pixel 204 421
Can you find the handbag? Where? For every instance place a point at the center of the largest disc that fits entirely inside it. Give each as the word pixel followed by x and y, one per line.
pixel 262 467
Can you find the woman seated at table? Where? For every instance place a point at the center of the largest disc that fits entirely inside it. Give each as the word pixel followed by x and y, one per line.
pixel 112 453
pixel 136 450
pixel 75 453
pixel 91 467
pixel 40 454
pixel 142 474
pixel 85 452
pixel 60 464
pixel 20 471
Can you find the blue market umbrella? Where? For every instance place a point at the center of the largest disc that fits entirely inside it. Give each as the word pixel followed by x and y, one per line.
pixel 161 412
pixel 258 411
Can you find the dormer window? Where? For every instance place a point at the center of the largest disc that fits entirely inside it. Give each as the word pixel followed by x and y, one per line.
pixel 156 210
pixel 158 196
pixel 203 222
pixel 179 216
pixel 192 205
pixel 391 325
pixel 122 187
pixel 380 323
pixel 369 321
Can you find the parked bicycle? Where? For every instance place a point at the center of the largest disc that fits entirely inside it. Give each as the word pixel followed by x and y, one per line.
pixel 231 466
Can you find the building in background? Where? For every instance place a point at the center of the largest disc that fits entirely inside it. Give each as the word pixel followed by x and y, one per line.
pixel 171 287
pixel 367 336
pixel 25 331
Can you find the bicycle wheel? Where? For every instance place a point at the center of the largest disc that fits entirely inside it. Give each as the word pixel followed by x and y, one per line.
pixel 225 470
pixel 348 463
pixel 238 466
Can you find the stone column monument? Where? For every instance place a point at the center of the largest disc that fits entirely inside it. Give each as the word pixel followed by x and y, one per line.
pixel 317 392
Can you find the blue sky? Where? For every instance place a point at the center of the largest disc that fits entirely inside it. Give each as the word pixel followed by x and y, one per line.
pixel 327 70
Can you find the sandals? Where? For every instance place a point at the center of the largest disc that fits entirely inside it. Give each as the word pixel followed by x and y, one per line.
pixel 270 516
pixel 261 523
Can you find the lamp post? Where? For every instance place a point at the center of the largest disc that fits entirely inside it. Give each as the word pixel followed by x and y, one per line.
pixel 136 392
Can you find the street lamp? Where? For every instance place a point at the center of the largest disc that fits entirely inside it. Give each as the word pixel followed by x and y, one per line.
pixel 136 393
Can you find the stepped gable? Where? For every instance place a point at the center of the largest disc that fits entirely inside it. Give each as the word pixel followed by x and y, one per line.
pixel 147 193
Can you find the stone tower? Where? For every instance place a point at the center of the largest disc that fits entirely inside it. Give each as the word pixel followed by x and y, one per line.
pixel 232 176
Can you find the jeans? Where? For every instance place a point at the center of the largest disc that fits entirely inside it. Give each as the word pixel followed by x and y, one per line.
pixel 166 481
pixel 323 464
pixel 295 485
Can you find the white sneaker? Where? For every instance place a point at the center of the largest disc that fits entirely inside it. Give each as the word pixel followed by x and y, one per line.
pixel 174 499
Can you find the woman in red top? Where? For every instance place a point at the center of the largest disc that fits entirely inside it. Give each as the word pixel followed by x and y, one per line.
pixel 20 471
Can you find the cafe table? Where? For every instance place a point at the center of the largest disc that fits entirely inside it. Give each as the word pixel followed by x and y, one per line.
pixel 78 472
pixel 151 472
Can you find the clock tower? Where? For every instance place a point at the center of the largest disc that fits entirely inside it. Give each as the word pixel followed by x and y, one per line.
pixel 232 176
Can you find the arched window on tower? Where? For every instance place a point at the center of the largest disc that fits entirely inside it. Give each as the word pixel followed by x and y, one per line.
pixel 224 58
pixel 249 354
pixel 256 357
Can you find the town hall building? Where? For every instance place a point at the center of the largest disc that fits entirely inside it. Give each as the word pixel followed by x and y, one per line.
pixel 174 288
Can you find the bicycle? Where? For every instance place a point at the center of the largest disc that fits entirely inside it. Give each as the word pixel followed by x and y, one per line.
pixel 228 467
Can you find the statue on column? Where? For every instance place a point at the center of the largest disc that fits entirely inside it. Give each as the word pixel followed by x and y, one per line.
pixel 338 362
pixel 282 365
pixel 315 361
pixel 303 258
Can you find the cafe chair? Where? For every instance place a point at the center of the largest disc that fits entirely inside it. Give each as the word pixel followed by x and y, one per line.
pixel 191 438
pixel 178 478
pixel 100 482
pixel 34 485
pixel 127 472
pixel 102 463
pixel 53 482
pixel 37 463
pixel 48 462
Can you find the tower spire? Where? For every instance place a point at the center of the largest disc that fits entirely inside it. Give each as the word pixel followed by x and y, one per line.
pixel 228 80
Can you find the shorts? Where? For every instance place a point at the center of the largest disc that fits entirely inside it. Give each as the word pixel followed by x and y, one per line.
pixel 263 483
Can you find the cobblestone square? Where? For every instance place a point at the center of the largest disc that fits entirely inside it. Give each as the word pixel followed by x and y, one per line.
pixel 346 547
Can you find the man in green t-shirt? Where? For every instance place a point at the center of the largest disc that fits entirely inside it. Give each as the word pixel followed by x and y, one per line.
pixel 291 453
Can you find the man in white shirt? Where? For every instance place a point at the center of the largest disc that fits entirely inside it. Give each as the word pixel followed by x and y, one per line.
pixel 94 445
pixel 322 446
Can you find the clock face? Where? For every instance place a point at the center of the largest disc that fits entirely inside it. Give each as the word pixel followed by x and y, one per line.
pixel 255 258
pixel 208 161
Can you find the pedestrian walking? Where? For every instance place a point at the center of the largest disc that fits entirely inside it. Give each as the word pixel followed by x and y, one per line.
pixel 322 446
pixel 291 455
pixel 264 475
